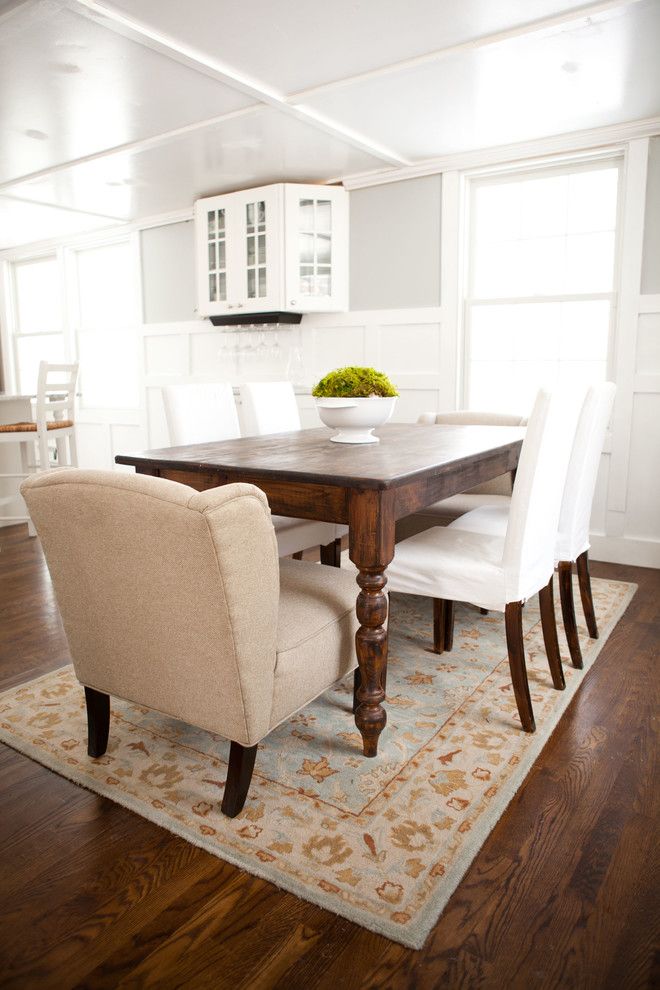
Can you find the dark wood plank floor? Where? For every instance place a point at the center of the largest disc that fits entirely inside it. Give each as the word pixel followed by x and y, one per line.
pixel 563 894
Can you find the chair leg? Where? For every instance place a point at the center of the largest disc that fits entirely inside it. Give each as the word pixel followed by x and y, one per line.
pixel 565 571
pixel 239 775
pixel 449 625
pixel 516 648
pixel 549 626
pixel 297 555
pixel 98 721
pixel 438 625
pixel 584 578
pixel 331 553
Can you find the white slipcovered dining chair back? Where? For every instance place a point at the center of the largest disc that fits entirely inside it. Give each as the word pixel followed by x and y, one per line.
pixel 269 407
pixel 531 534
pixel 200 412
pixel 573 534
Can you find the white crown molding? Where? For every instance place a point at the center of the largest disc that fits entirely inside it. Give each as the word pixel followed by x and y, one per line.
pixel 574 142
pixel 85 239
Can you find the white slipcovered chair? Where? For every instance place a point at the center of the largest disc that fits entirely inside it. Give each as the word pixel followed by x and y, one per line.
pixel 176 600
pixel 572 543
pixel 488 493
pixel 271 407
pixel 500 572
pixel 203 412
pixel 200 412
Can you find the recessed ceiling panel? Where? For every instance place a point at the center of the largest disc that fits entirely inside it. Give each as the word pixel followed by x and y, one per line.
pixel 292 44
pixel 260 147
pixel 69 87
pixel 600 73
pixel 24 223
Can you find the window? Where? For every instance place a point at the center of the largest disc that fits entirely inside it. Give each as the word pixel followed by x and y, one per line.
pixel 39 324
pixel 541 265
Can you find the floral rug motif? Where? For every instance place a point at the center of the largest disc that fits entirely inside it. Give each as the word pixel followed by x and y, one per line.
pixel 384 841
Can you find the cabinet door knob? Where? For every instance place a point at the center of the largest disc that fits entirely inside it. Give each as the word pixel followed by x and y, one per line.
pixel 230 306
pixel 293 302
pixel 239 305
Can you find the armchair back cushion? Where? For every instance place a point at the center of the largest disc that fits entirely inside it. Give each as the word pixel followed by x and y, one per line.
pixel 169 597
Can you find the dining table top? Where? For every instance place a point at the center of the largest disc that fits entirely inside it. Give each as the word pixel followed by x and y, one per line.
pixel 404 452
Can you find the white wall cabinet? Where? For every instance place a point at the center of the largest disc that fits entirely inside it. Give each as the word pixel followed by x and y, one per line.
pixel 277 248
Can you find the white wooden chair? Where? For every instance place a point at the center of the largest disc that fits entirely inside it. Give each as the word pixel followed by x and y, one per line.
pixel 201 412
pixel 572 542
pixel 54 418
pixel 271 407
pixel 501 572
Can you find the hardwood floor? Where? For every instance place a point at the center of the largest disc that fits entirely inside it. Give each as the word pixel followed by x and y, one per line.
pixel 563 893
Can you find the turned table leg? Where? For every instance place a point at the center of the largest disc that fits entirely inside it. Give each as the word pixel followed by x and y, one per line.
pixel 371 539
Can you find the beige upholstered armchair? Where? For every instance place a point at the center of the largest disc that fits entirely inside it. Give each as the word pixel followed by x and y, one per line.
pixel 176 599
pixel 490 492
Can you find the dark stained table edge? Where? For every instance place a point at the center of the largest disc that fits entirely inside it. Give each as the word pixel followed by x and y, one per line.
pixel 143 459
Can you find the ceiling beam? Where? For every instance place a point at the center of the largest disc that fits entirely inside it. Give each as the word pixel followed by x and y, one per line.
pixel 261 92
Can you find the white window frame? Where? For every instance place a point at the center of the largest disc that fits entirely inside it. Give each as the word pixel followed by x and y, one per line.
pixel 530 169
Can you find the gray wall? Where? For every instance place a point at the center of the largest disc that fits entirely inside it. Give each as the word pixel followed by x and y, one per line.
pixel 651 255
pixel 395 245
pixel 168 273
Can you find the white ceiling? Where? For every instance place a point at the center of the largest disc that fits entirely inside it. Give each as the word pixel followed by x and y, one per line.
pixel 116 111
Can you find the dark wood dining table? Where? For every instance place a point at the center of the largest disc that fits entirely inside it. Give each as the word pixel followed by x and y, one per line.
pixel 367 486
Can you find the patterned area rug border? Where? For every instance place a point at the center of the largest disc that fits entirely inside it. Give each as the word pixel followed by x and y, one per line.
pixel 414 934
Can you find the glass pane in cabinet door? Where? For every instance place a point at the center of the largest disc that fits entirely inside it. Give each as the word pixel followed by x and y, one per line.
pixel 221 221
pixel 323 215
pixel 249 217
pixel 211 223
pixel 262 282
pixel 262 249
pixel 261 215
pixel 213 291
pixel 250 251
pixel 323 282
pixel 323 248
pixel 306 214
pixel 222 287
pixel 306 280
pixel 306 248
pixel 251 284
pixel 221 254
pixel 212 255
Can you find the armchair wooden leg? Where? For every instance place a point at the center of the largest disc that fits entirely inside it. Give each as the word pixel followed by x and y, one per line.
pixel 516 648
pixel 565 571
pixel 98 721
pixel 331 553
pixel 582 564
pixel 549 626
pixel 239 775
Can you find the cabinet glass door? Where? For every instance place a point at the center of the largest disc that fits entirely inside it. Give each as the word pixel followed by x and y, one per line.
pixel 314 247
pixel 217 255
pixel 256 271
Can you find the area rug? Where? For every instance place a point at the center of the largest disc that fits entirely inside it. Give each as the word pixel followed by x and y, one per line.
pixel 383 842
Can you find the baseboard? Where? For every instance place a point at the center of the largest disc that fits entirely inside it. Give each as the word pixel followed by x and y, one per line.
pixel 625 550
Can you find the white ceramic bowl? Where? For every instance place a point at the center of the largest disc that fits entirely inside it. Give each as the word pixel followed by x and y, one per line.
pixel 356 419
